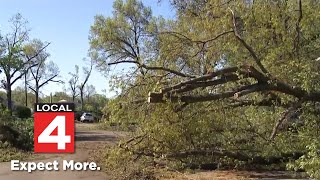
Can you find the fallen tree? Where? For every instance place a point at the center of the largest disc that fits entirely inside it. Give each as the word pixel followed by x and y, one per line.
pixel 218 83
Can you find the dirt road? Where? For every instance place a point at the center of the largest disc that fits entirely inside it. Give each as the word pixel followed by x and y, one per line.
pixel 87 138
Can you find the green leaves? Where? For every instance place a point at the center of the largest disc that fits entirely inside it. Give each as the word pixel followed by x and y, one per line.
pixel 121 37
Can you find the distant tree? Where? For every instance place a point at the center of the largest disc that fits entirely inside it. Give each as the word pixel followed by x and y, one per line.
pixel 19 97
pixel 61 96
pixel 55 97
pixel 81 87
pixel 90 90
pixel 43 72
pixel 73 83
pixel 14 62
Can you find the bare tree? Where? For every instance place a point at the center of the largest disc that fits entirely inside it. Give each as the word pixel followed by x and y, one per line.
pixel 14 62
pixel 87 72
pixel 73 83
pixel 44 72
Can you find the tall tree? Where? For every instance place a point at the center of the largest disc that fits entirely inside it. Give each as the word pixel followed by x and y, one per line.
pixel 14 61
pixel 44 72
pixel 87 72
pixel 73 83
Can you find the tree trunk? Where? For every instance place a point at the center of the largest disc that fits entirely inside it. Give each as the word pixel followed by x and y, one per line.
pixel 9 95
pixel 81 97
pixel 25 89
pixel 9 100
pixel 37 92
pixel 37 95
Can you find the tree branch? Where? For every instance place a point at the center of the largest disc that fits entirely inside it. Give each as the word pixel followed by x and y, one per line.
pixel 247 46
pixel 152 68
pixel 228 75
pixel 285 116
pixel 49 80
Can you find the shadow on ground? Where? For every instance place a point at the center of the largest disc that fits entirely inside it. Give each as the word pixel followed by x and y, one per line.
pixel 94 136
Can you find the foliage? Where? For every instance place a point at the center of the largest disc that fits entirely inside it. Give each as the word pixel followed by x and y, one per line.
pixel 16 133
pixel 22 112
pixel 309 162
pixel 19 97
pixel 16 137
pixel 25 129
pixel 8 153
pixel 122 166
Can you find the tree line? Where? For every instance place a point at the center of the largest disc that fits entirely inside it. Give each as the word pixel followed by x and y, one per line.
pixel 27 60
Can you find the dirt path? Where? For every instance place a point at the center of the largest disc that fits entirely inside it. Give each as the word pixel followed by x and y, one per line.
pixel 87 139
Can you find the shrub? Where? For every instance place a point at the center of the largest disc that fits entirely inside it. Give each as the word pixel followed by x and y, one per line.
pixel 25 138
pixel 15 133
pixel 23 112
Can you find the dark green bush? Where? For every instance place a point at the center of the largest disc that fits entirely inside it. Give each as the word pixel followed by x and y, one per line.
pixel 16 133
pixel 25 138
pixel 23 112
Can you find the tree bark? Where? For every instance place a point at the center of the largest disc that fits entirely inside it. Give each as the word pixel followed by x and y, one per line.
pixel 81 97
pixel 26 89
pixel 37 95
pixel 9 95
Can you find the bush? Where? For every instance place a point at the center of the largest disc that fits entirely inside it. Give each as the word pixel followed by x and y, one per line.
pixel 23 112
pixel 25 138
pixel 16 133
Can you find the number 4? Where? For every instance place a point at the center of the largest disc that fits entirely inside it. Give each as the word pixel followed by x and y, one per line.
pixel 61 139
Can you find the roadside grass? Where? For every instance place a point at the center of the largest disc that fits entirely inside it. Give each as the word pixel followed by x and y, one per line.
pixel 9 153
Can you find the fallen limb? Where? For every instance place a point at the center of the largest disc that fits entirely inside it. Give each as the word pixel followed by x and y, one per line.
pixel 285 116
pixel 231 74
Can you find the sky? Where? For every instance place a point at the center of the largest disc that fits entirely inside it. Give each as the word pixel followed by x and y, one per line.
pixel 66 24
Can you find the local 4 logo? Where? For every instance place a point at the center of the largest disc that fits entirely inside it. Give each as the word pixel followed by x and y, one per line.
pixel 54 128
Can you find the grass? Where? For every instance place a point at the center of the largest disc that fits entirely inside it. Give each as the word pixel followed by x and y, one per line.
pixel 8 153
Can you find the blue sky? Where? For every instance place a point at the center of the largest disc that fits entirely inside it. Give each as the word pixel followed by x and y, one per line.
pixel 66 24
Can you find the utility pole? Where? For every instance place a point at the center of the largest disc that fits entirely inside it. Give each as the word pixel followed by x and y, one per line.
pixel 51 97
